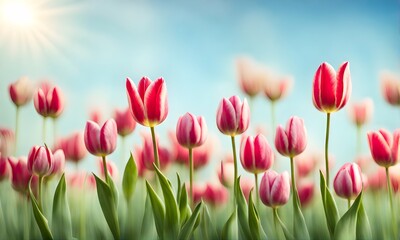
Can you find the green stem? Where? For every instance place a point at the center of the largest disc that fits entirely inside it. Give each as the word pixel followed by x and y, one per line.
pixel 358 149
pixel 123 139
pixel 82 214
pixel 191 176
pixel 256 190
pixel 44 130
pixel 278 223
pixel 105 169
pixel 328 121
pixel 54 132
pixel 153 136
pixel 16 130
pixel 389 186
pixel 273 120
pixel 235 167
pixel 40 196
pixel 348 203
pixel 294 189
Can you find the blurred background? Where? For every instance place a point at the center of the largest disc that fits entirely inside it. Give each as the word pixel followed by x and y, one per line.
pixel 88 48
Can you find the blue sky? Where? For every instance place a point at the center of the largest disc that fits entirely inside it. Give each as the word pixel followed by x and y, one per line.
pixel 90 47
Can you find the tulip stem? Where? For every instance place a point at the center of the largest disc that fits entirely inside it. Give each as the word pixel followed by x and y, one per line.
pixel 294 189
pixel 278 222
pixel 328 122
pixel 191 175
pixel 273 120
pixel 54 131
pixel 348 203
pixel 44 130
pixel 40 193
pixel 16 130
pixel 256 190
pixel 105 168
pixel 235 167
pixel 394 225
pixel 153 136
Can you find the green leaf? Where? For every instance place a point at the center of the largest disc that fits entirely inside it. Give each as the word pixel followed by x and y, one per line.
pixel 188 227
pixel 206 226
pixel 129 179
pixel 39 217
pixel 158 210
pixel 184 207
pixel 107 202
pixel 171 221
pixel 61 221
pixel 346 227
pixel 254 220
pixel 147 220
pixel 226 230
pixel 178 192
pixel 363 231
pixel 242 211
pixel 114 191
pixel 300 227
pixel 331 211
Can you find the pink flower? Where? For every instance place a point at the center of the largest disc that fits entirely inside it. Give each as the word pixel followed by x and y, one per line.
pixel 256 155
pixel 20 174
pixel 49 102
pixel 306 192
pixel 7 142
pixel 291 141
pixel 361 112
pixel 148 102
pixel 40 161
pixel 101 141
pixel 191 131
pixel 250 75
pixel 348 181
pixel 198 191
pixel 96 116
pixel 225 171
pixel 275 188
pixel 385 147
pixel 58 163
pixel 73 147
pixel 81 180
pixel 215 194
pixel 111 168
pixel 21 91
pixel 275 89
pixel 125 122
pixel 305 164
pixel 233 116
pixel 246 184
pixel 147 154
pixel 377 180
pixel 4 168
pixel 390 85
pixel 331 89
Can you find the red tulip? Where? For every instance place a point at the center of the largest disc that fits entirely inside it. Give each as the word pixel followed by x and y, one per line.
pixel 147 154
pixel 348 181
pixel 256 155
pixel 191 131
pixel 225 172
pixel 233 116
pixel 246 184
pixel 40 161
pixel 275 189
pixel 306 192
pixel 111 168
pixel 101 141
pixel 291 141
pixel 361 112
pixel 58 163
pixel 21 91
pixel 377 181
pixel 390 85
pixel 275 89
pixel 125 122
pixel 198 192
pixel 385 147
pixel 148 102
pixel 250 75
pixel 49 102
pixel 4 168
pixel 73 147
pixel 7 142
pixel 20 174
pixel 305 164
pixel 215 194
pixel 331 89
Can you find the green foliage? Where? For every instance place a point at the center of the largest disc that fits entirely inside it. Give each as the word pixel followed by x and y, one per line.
pixel 61 220
pixel 331 211
pixel 129 179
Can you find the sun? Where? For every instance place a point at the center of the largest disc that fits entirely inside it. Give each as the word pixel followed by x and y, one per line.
pixel 18 14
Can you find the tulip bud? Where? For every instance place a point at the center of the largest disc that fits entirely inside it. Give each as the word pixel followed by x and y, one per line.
pixel 191 131
pixel 49 103
pixel 20 174
pixel 306 192
pixel 4 168
pixel 277 89
pixel 233 116
pixel 385 147
pixel 7 142
pixel 291 141
pixel 250 76
pixel 275 188
pixel 40 161
pixel 21 91
pixel 101 141
pixel 256 155
pixel 73 147
pixel 390 85
pixel 225 172
pixel 361 112
pixel 215 194
pixel 125 122
pixel 348 181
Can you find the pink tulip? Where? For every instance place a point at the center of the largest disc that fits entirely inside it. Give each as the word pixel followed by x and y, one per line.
pixel 306 192
pixel 7 142
pixel 225 172
pixel 96 116
pixel 191 131
pixel 215 194
pixel 256 155
pixel 147 154
pixel 275 188
pixel 233 116
pixel 331 89
pixel 4 168
pixel 58 163
pixel 291 141
pixel 275 89
pixel 390 85
pixel 361 112
pixel 21 91
pixel 348 181
pixel 250 75
pixel 81 179
pixel 40 161
pixel 305 164
pixel 198 192
pixel 101 141
pixel 246 184
pixel 73 147
pixel 179 153
pixel 125 122
pixel 377 181
pixel 364 161
pixel 20 174
pixel 385 147
pixel 49 102
pixel 111 168
pixel 148 102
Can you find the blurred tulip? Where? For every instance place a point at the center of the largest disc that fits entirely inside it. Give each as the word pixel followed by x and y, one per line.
pixel 125 122
pixel 6 142
pixel 40 161
pixel 233 116
pixel 275 189
pixel 364 161
pixel 73 147
pixel 331 89
pixel 81 179
pixel 191 131
pixel 111 168
pixel 101 141
pixel 390 85
pixel 246 184
pixel 385 147
pixel 225 172
pixel 180 154
pixel 198 192
pixel 348 181
pixel 256 155
pixel 96 116
pixel 49 102
pixel 291 141
pixel 58 163
pixel 20 174
pixel 147 154
pixel 4 168
pixel 250 75
pixel 215 194
pixel 306 192
pixel 21 91
pixel 148 102
pixel 276 89
pixel 377 181
pixel 361 112
pixel 305 163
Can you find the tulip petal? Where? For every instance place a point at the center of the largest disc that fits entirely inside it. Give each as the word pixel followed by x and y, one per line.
pixel 281 141
pixel 108 137
pixel 55 102
pixel 40 102
pixel 135 102
pixel 380 149
pixel 92 138
pixel 156 102
pixel 226 117
pixel 343 85
pixel 395 147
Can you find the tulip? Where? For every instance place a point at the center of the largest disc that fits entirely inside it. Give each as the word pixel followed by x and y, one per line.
pixel 7 140
pixel 4 168
pixel 377 180
pixel 225 172
pixel 348 182
pixel 147 154
pixel 198 192
pixel 95 116
pixel 246 184
pixel 250 76
pixel 215 194
pixel 20 175
pixel 125 122
pixel 331 91
pixel 81 179
pixel 40 161
pixel 390 85
pixel 360 113
pixel 274 189
pixel 306 192
pixel 111 168
pixel 233 118
pixel 73 147
pixel 305 164
pixel 58 163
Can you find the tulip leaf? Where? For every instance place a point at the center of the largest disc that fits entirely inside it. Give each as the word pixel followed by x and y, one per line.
pixel 158 210
pixel 39 217
pixel 189 226
pixel 254 220
pixel 171 223
pixel 114 191
pixel 178 192
pixel 61 221
pixel 227 229
pixel 300 227
pixel 363 231
pixel 107 200
pixel 129 179
pixel 184 207
pixel 147 220
pixel 207 228
pixel 242 211
pixel 331 211
pixel 286 232
pixel 346 227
